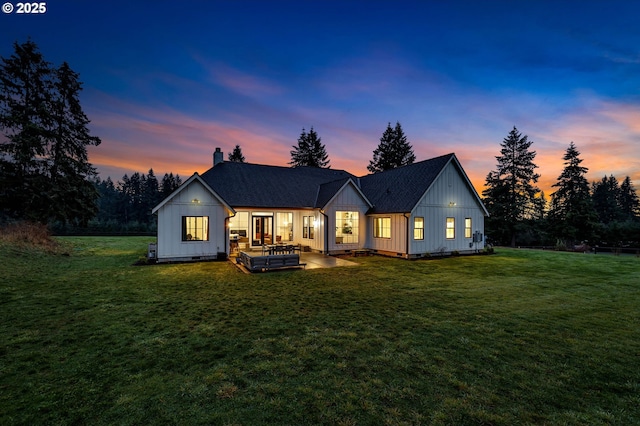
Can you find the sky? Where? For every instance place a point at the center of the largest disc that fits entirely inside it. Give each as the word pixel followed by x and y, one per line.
pixel 166 82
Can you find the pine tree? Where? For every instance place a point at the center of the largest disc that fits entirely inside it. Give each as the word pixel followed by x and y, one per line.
pixel 310 151
pixel 44 169
pixel 393 150
pixel 25 88
pixel 628 200
pixel 169 184
pixel 150 197
pixel 108 201
pixel 572 213
pixel 236 156
pixel 72 193
pixel 510 194
pixel 606 195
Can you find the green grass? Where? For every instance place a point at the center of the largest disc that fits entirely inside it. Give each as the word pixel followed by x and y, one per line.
pixel 520 337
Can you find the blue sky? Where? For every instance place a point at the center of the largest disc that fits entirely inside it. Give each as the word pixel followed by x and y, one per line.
pixel 167 82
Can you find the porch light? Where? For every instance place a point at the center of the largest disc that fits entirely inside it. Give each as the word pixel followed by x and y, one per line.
pixel 452 204
pixel 195 201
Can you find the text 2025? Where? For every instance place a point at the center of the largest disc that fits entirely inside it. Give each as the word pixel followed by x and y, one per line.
pixel 31 7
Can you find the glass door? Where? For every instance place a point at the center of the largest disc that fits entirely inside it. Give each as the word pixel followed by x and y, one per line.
pixel 262 230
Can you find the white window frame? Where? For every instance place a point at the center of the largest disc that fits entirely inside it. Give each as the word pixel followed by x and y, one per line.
pixel 450 230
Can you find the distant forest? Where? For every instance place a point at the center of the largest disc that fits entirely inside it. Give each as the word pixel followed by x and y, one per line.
pixel 124 207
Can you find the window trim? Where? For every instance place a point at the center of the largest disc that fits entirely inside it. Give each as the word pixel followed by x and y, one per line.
pixel 415 228
pixel 308 228
pixel 347 220
pixel 468 233
pixel 450 230
pixel 379 228
pixel 204 229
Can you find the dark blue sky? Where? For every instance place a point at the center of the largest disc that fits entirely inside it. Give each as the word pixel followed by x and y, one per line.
pixel 167 82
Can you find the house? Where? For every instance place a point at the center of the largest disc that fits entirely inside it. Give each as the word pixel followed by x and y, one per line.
pixel 426 207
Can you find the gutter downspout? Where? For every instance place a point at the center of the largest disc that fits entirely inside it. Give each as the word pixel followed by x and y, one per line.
pixel 407 239
pixel 326 232
pixel 227 248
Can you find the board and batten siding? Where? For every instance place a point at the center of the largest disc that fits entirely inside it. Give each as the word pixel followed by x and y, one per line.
pixel 397 243
pixel 317 242
pixel 348 199
pixel 449 196
pixel 170 244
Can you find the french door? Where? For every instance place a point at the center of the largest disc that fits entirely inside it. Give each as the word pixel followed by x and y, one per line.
pixel 262 230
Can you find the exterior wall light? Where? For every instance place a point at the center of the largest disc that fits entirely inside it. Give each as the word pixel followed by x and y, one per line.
pixel 195 201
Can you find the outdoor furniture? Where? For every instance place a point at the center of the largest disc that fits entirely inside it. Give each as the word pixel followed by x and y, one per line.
pixel 269 262
pixel 272 249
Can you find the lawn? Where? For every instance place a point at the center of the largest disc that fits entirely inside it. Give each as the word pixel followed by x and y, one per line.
pixel 519 337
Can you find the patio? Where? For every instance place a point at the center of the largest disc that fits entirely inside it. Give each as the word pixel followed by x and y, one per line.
pixel 318 260
pixel 312 260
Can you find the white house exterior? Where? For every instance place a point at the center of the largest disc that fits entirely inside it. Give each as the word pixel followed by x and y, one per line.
pixel 427 207
pixel 194 199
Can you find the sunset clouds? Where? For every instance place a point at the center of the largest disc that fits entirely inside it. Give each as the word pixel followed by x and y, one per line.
pixel 165 87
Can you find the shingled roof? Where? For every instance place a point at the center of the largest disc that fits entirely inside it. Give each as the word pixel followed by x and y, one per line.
pixel 399 190
pixel 260 186
pixel 257 185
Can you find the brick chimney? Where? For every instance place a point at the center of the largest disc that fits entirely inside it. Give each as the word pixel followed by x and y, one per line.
pixel 218 157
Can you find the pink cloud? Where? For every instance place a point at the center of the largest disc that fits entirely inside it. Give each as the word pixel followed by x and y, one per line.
pixel 136 138
pixel 238 81
pixel 606 133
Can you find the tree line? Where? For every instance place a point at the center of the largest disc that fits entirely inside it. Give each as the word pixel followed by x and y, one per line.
pixel 604 212
pixel 124 207
pixel 45 175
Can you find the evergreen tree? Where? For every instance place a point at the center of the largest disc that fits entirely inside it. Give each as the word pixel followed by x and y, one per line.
pixel 25 88
pixel 606 196
pixel 393 151
pixel 510 194
pixel 110 202
pixel 73 194
pixel 44 170
pixel 572 213
pixel 628 200
pixel 169 184
pixel 236 156
pixel 150 197
pixel 540 207
pixel 310 151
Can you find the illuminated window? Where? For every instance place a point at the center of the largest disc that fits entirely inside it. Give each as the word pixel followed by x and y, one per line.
pixel 284 227
pixel 451 228
pixel 382 227
pixel 418 228
pixel 239 225
pixel 346 227
pixel 195 228
pixel 467 227
pixel 307 227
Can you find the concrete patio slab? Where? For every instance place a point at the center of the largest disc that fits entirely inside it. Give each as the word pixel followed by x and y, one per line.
pixel 317 260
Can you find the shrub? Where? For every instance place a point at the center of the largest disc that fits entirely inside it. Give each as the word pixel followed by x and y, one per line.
pixel 29 235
